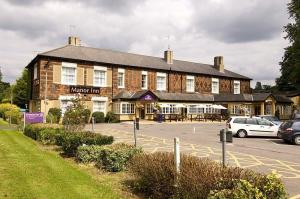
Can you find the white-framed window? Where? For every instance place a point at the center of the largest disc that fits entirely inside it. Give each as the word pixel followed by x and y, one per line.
pixel 195 109
pixel 161 81
pixel 144 80
pixel 169 108
pixel 124 108
pixel 121 78
pixel 190 83
pixel 35 71
pixel 68 73
pixel 65 101
pixel 99 104
pixel 149 108
pixel 215 85
pixel 100 76
pixel 236 87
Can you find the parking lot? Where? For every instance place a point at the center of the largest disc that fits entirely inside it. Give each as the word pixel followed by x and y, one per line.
pixel 263 154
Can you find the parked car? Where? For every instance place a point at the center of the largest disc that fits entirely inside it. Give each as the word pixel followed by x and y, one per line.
pixel 271 118
pixel 242 126
pixel 290 131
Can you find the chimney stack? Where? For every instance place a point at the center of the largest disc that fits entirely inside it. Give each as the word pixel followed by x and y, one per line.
pixel 168 56
pixel 219 63
pixel 74 41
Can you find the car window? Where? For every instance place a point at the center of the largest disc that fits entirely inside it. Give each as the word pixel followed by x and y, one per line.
pixel 263 122
pixel 251 121
pixel 296 125
pixel 239 120
pixel 287 124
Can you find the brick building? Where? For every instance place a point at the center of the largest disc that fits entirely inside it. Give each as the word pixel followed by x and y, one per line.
pixel 133 85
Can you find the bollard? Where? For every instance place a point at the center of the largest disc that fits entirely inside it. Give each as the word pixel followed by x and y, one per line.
pixel 134 133
pixel 93 123
pixel 137 123
pixel 177 154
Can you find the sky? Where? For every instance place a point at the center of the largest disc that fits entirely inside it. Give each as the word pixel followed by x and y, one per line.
pixel 247 33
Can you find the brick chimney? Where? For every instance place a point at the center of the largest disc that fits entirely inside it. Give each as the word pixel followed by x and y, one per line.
pixel 219 63
pixel 74 41
pixel 168 56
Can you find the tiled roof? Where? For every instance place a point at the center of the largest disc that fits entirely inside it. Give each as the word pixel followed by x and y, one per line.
pixel 98 55
pixel 197 97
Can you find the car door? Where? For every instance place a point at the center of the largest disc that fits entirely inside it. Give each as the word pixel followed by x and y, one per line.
pixel 267 128
pixel 252 126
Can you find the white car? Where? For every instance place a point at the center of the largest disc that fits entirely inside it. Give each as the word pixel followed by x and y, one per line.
pixel 242 126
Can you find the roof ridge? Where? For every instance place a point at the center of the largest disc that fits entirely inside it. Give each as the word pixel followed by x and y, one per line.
pixel 53 49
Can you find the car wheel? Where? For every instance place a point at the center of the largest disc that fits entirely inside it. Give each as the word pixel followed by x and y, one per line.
pixel 297 140
pixel 242 133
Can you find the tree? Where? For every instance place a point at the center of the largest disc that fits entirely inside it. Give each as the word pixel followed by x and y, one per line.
pixel 258 86
pixel 4 88
pixel 290 64
pixel 20 90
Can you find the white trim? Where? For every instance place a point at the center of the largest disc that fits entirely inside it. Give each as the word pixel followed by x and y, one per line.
pixel 121 70
pixel 212 81
pixel 190 77
pixel 144 72
pixel 239 86
pixel 66 97
pixel 146 81
pixel 96 98
pixel 102 68
pixel 68 64
pixel 161 74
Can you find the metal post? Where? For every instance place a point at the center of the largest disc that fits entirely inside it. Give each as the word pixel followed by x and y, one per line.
pixel 10 105
pixel 134 133
pixel 177 154
pixel 224 148
pixel 93 122
pixel 24 122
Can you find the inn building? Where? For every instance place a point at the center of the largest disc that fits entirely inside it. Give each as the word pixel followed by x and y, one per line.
pixel 135 86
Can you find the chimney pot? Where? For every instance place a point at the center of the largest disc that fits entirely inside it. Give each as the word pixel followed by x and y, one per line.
pixel 219 63
pixel 74 41
pixel 168 56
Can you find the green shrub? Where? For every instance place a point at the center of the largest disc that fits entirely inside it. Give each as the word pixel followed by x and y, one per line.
pixel 86 154
pixel 15 115
pixel 199 178
pixel 48 136
pixel 111 117
pixel 7 107
pixel 56 114
pixel 99 117
pixel 52 119
pixel 33 130
pixel 86 114
pixel 72 140
pixel 115 158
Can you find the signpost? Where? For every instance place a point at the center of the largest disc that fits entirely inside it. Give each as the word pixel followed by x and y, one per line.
pixel 225 136
pixel 177 154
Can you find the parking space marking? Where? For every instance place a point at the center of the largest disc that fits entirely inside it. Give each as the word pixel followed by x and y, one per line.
pixel 234 158
pixel 295 197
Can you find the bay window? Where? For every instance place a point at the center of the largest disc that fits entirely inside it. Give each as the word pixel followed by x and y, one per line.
pixel 124 108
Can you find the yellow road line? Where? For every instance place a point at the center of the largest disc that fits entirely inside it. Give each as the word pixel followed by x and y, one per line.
pixel 288 166
pixel 234 158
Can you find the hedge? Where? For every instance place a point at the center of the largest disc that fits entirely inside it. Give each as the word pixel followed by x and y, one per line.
pixel 99 117
pixel 154 175
pixel 33 130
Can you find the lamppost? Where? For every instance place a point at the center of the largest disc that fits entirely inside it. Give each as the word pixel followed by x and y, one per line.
pixel 45 91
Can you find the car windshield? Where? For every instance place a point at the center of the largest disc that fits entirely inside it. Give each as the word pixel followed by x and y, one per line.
pixel 286 125
pixel 271 118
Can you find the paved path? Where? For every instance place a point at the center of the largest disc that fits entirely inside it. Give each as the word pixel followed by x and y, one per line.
pixel 289 171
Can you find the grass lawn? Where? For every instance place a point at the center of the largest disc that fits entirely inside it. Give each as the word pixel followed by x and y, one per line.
pixel 3 123
pixel 28 171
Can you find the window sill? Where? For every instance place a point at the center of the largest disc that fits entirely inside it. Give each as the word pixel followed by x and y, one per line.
pixel 74 84
pixel 121 86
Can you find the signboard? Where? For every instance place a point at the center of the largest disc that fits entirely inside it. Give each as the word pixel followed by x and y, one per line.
pixel 147 97
pixel 84 89
pixel 35 117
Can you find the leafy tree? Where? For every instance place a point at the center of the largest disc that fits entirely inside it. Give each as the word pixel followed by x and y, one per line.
pixel 258 86
pixel 290 64
pixel 20 90
pixel 4 88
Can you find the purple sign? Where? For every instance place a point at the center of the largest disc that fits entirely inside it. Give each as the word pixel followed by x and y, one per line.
pixel 35 117
pixel 147 97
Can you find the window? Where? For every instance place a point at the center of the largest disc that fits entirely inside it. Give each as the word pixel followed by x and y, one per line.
pixel 121 78
pixel 236 87
pixel 144 80
pixel 100 76
pixel 190 83
pixel 127 108
pixel 35 73
pixel 169 108
pixel 240 120
pixel 264 122
pixel 251 121
pixel 116 108
pixel 215 85
pixel 195 109
pixel 65 101
pixel 161 81
pixel 149 108
pixel 99 106
pixel 68 73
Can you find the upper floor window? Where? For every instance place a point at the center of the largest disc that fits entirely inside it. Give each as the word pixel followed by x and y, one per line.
pixel 144 80
pixel 161 81
pixel 100 76
pixel 190 83
pixel 68 73
pixel 215 85
pixel 35 73
pixel 121 78
pixel 236 87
